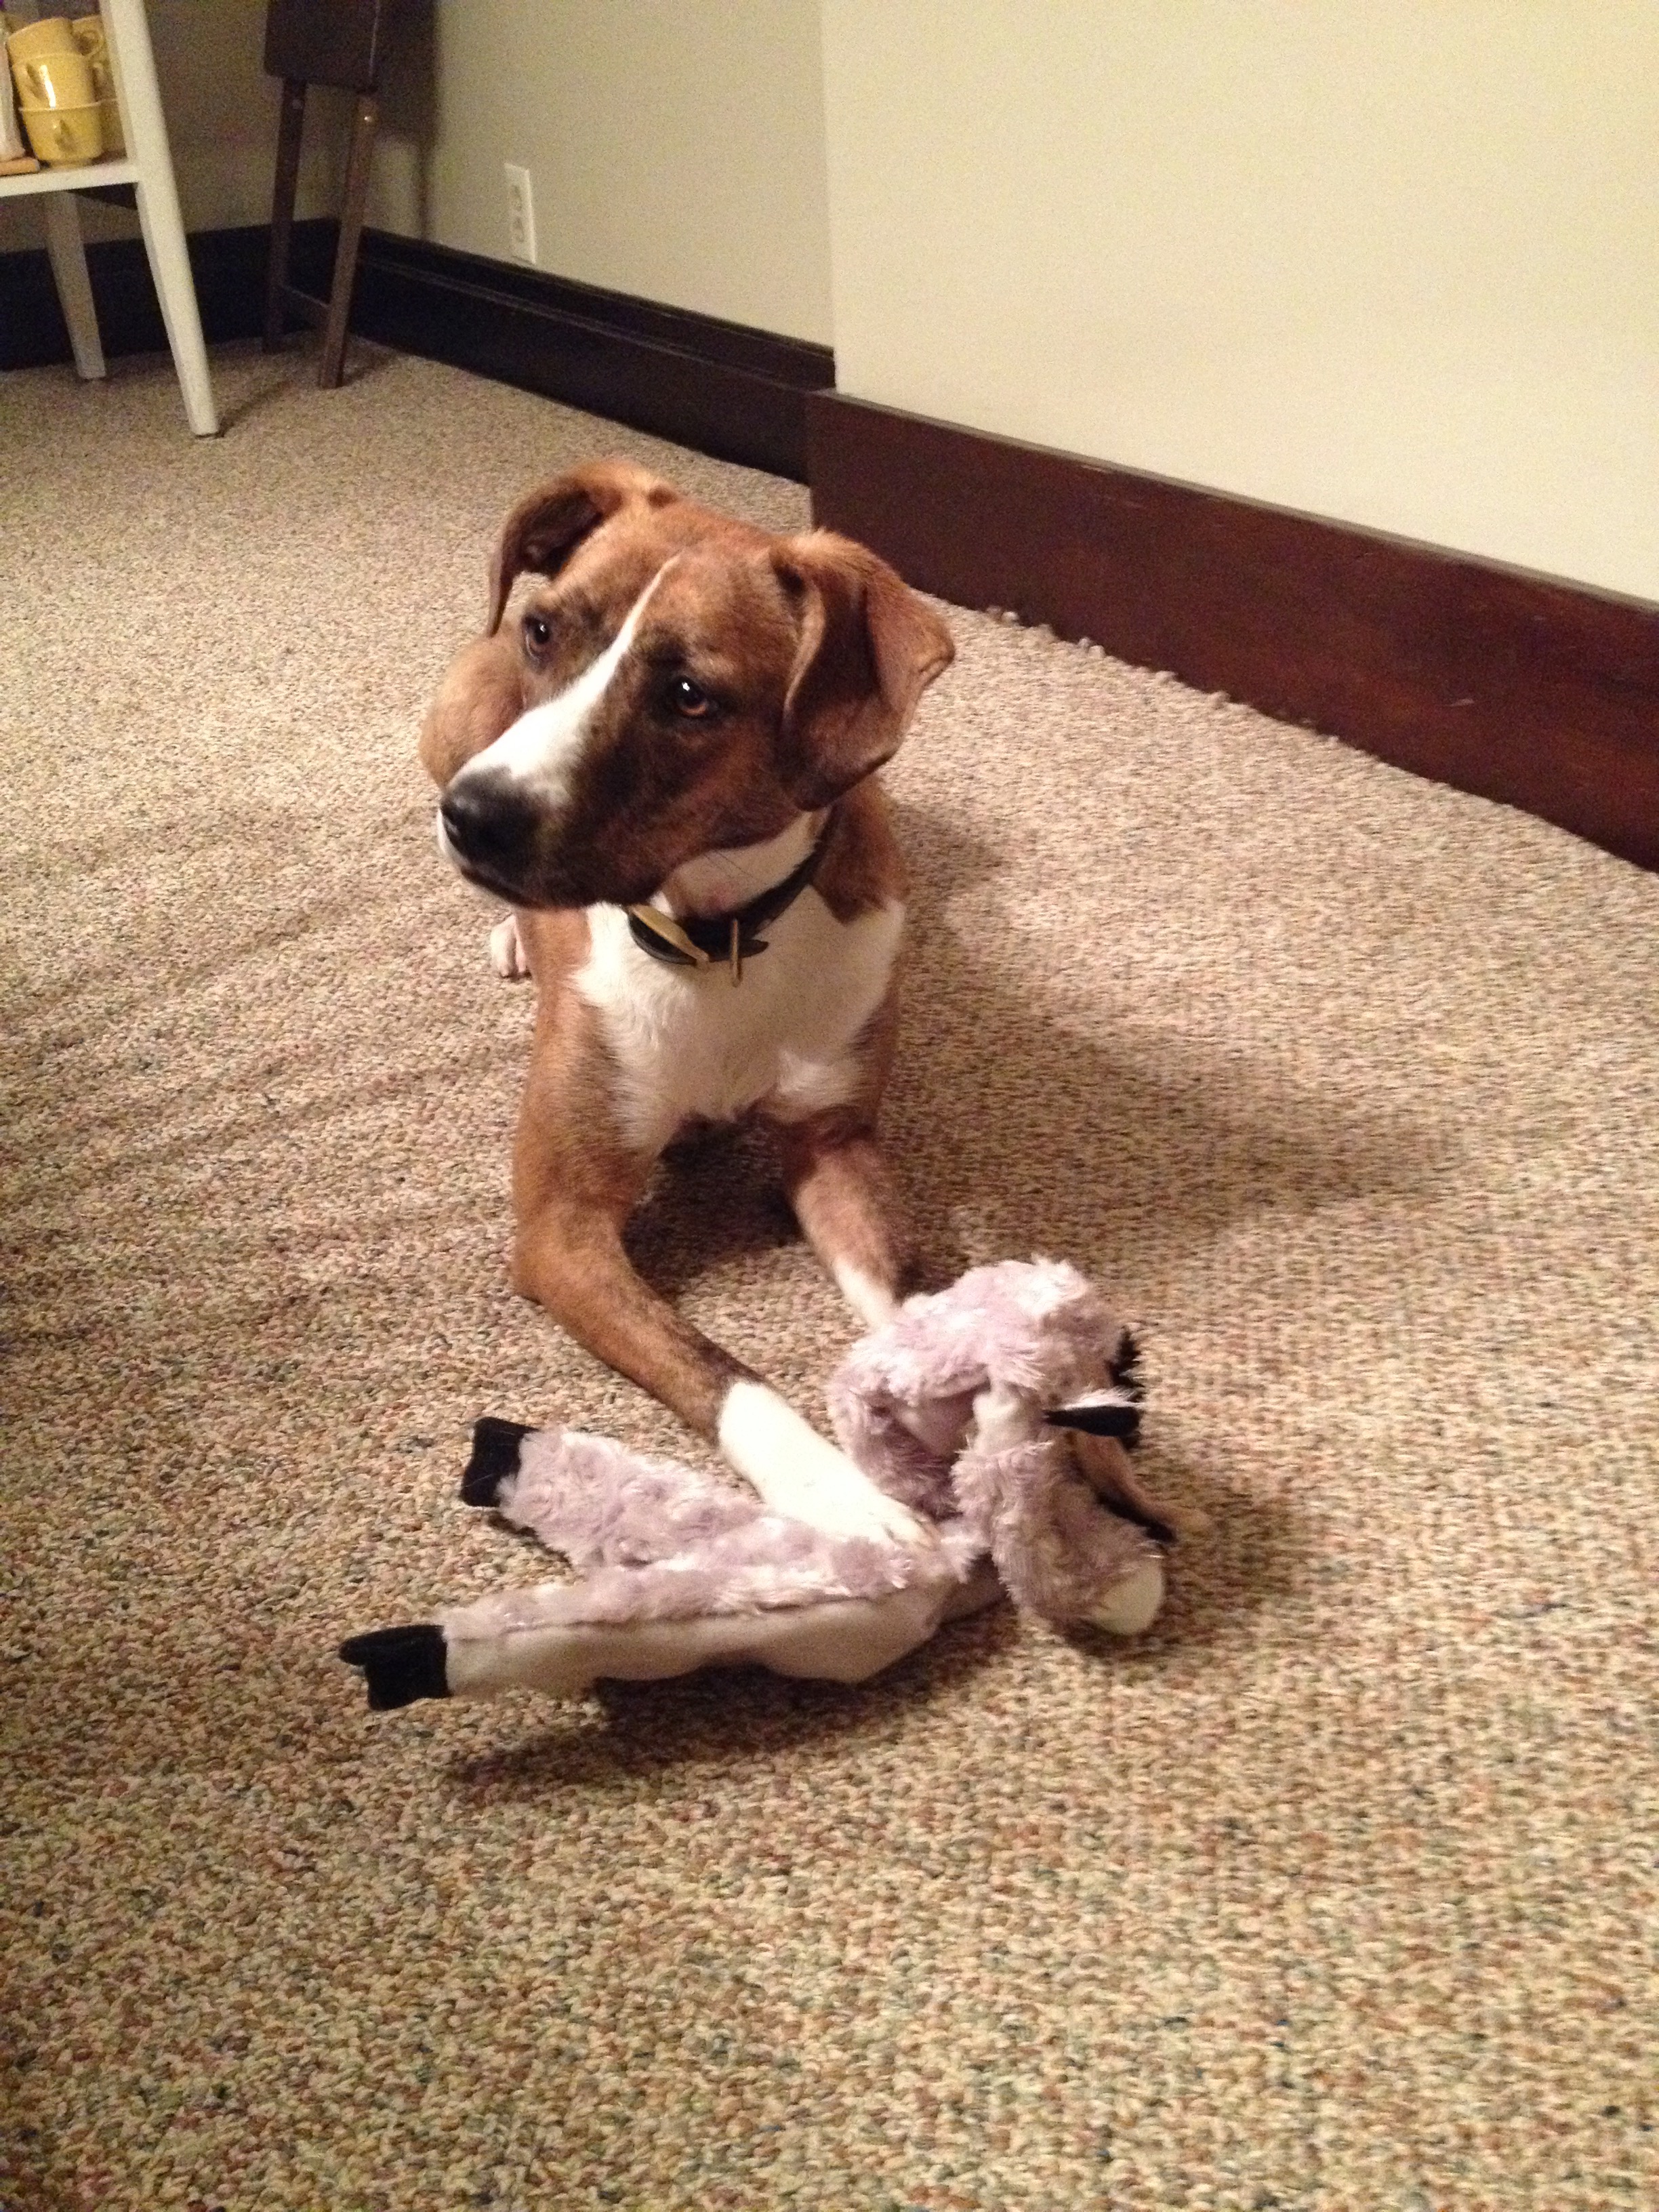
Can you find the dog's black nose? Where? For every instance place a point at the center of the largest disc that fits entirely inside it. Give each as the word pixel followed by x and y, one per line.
pixel 487 822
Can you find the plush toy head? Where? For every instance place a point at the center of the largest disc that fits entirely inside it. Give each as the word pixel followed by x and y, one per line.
pixel 960 1406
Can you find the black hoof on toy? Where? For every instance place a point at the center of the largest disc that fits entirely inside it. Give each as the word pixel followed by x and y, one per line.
pixel 1124 1370
pixel 400 1665
pixel 1109 1417
pixel 1148 1523
pixel 496 1447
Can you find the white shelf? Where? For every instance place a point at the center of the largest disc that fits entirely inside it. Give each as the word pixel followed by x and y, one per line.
pixel 77 180
pixel 149 168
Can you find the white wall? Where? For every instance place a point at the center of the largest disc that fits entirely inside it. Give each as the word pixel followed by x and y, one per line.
pixel 1395 261
pixel 676 147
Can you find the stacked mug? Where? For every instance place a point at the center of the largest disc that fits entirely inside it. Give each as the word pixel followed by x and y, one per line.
pixel 64 89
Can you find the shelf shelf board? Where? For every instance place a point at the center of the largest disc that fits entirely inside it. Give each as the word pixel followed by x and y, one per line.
pixel 78 179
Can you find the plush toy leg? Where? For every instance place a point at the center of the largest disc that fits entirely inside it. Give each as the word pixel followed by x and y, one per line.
pixel 598 1503
pixel 655 1540
pixel 681 1571
pixel 1132 1604
pixel 474 1652
pixel 1112 1475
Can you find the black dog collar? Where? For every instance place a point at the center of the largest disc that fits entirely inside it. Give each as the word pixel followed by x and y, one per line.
pixel 700 940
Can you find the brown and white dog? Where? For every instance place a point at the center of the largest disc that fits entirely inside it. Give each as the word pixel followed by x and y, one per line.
pixel 677 732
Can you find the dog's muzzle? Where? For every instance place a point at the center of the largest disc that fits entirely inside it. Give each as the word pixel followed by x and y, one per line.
pixel 488 829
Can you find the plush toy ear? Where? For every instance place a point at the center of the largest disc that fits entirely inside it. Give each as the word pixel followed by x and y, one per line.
pixel 546 527
pixel 868 649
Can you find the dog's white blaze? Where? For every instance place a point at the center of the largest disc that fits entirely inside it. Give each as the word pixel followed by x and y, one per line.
pixel 797 1474
pixel 542 747
pixel 686 1045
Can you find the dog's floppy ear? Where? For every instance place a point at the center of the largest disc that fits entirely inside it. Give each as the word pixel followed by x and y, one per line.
pixel 548 523
pixel 869 648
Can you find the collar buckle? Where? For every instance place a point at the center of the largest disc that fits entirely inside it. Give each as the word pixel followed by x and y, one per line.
pixel 728 939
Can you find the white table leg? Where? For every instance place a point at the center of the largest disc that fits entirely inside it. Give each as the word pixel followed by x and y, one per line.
pixel 69 273
pixel 159 218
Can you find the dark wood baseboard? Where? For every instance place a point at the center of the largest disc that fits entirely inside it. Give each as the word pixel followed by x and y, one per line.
pixel 229 266
pixel 1522 688
pixel 737 393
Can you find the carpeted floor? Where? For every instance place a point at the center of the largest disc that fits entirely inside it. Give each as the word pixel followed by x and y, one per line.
pixel 1336 1892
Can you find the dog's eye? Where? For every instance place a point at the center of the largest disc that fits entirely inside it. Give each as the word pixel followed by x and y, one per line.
pixel 538 633
pixel 690 699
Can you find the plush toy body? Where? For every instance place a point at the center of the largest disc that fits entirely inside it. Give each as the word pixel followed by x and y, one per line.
pixel 997 1409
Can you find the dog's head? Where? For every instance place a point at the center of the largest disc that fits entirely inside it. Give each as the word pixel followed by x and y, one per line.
pixel 675 682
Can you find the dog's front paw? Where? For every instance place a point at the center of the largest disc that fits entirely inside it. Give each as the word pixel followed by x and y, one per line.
pixel 507 952
pixel 797 1474
pixel 856 1508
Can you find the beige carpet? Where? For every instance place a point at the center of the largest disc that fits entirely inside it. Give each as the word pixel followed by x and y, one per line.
pixel 1337 1892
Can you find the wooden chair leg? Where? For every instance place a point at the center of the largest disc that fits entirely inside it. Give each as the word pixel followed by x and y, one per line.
pixel 332 367
pixel 282 206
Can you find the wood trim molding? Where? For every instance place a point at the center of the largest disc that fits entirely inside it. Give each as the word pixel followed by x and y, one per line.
pixel 737 393
pixel 1540 693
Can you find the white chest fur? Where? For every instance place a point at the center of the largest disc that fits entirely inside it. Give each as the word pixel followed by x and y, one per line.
pixel 686 1044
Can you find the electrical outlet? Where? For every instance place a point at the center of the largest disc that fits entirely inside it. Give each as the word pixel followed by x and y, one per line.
pixel 520 214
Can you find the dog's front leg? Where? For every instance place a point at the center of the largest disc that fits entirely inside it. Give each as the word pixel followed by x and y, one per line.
pixel 844 1199
pixel 569 1257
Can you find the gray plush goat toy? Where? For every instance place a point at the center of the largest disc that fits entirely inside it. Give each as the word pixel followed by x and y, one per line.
pixel 998 1409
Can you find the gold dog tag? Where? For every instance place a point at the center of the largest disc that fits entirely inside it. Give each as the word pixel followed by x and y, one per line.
pixel 665 926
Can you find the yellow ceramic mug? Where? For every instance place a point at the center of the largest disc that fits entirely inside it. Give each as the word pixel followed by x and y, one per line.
pixel 56 81
pixel 64 137
pixel 90 37
pixel 51 36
